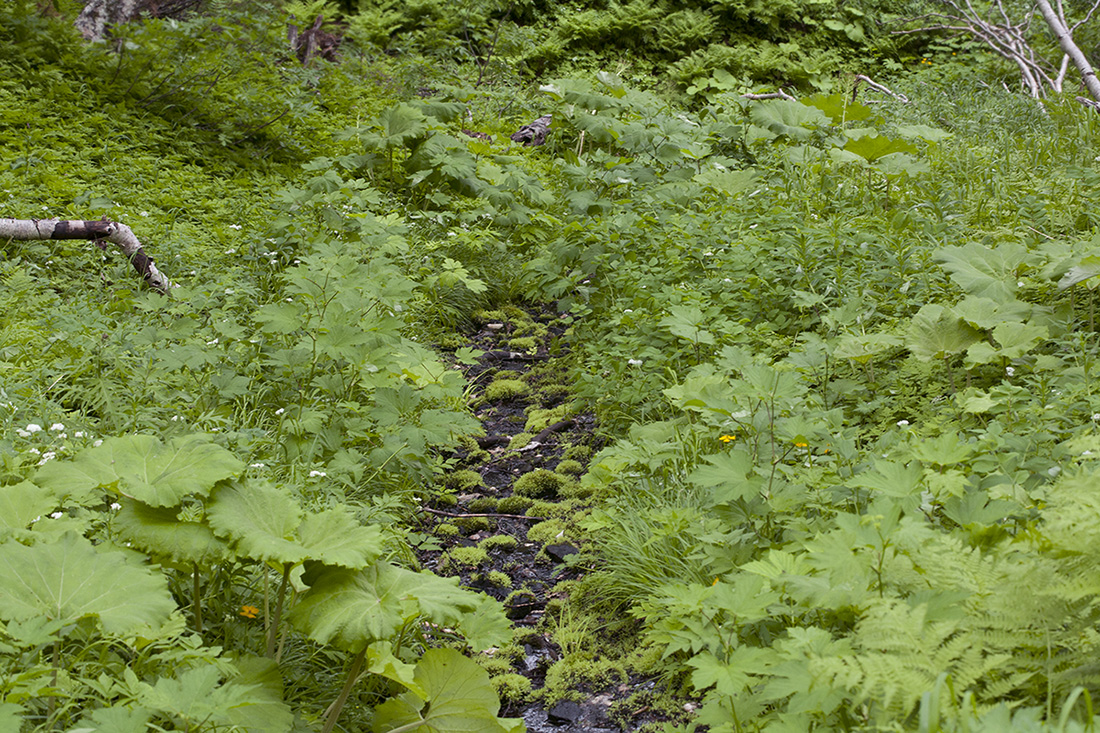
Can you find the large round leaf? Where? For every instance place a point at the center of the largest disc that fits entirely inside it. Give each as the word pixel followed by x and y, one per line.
pixel 352 608
pixel 262 519
pixel 69 580
pixel 159 531
pixel 21 505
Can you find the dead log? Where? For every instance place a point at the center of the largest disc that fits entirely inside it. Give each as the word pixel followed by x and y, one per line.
pixel 313 42
pixel 535 133
pixel 100 231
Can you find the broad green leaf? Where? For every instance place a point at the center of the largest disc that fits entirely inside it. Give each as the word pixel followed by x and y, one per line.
pixel 1086 269
pixel 1016 339
pixel 485 626
pixel 21 504
pixel 892 478
pixel 262 709
pixel 353 608
pixel 865 347
pixel 727 182
pixel 839 108
pixel 923 132
pixel 68 579
pixel 688 322
pixel 785 117
pixel 460 699
pixel 944 450
pixel 900 164
pixel 261 519
pixel 159 532
pixel 874 147
pixel 936 333
pixel 985 272
pixel 281 318
pixel 729 677
pixel 144 468
pixel 398 125
pixel 118 719
pixel 335 537
pixel 988 313
pixel 382 662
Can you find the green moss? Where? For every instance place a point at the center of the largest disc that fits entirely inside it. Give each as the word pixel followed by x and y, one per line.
pixel 483 504
pixel 448 500
pixel 569 468
pixel 577 453
pixel 540 484
pixel 519 440
pixel 498 542
pixel 514 504
pixel 469 525
pixel 470 557
pixel 463 480
pixel 539 419
pixel 506 389
pixel 497 579
pixel 512 687
pixel 548 532
pixel 446 529
pixel 524 343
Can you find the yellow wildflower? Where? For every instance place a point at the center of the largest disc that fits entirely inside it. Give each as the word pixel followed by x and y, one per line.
pixel 801 445
pixel 727 438
pixel 249 611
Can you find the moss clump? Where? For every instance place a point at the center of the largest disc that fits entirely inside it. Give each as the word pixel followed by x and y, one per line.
pixel 514 504
pixel 498 542
pixel 447 500
pixel 512 687
pixel 469 525
pixel 569 468
pixel 577 453
pixel 524 343
pixel 483 504
pixel 470 557
pixel 539 419
pixel 446 529
pixel 548 532
pixel 463 480
pixel 540 484
pixel 506 389
pixel 549 391
pixel 494 578
pixel 519 440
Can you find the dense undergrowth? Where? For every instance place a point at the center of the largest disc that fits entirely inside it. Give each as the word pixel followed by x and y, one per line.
pixel 843 353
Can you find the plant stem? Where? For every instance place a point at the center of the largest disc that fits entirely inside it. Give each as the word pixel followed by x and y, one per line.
pixel 196 602
pixel 274 630
pixel 353 673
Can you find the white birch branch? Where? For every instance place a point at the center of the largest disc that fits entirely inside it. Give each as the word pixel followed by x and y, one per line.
pixel 97 231
pixel 1065 40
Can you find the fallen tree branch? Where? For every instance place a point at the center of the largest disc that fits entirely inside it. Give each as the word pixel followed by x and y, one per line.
pixel 535 133
pixel 770 95
pixel 860 78
pixel 503 516
pixel 97 231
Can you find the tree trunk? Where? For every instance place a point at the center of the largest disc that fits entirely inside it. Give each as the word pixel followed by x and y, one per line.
pixel 1065 40
pixel 120 234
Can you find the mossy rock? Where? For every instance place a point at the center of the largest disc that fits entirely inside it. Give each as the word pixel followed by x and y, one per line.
pixel 514 504
pixel 541 484
pixel 548 532
pixel 494 578
pixel 468 557
pixel 463 480
pixel 498 542
pixel 512 687
pixel 446 529
pixel 569 468
pixel 483 504
pixel 506 389
pixel 539 419
pixel 447 500
pixel 524 343
pixel 519 440
pixel 577 453
pixel 469 525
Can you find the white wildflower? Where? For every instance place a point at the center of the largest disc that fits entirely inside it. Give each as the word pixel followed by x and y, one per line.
pixel 1009 371
pixel 57 515
pixel 314 474
pixel 255 465
pixel 97 443
pixel 1054 471
pixel 115 506
pixel 280 411
pixel 57 427
pixel 235 226
pixel 902 423
pixel 34 428
pixel 212 343
pixel 634 362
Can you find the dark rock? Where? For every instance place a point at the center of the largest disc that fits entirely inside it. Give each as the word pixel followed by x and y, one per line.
pixel 558 553
pixel 564 712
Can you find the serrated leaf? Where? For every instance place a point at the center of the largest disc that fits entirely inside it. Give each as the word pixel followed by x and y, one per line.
pixel 280 318
pixel 892 478
pixel 1087 268
pixel 944 450
pixel 988 313
pixel 485 626
pixel 159 532
pixel 936 333
pixel 353 608
pixel 382 662
pixel 335 537
pixel 785 117
pixel 69 579
pixel 729 183
pixel 261 519
pixel 460 699
pixel 984 272
pixel 22 504
pixel 262 710
pixel 874 147
pixel 923 132
pixel 117 719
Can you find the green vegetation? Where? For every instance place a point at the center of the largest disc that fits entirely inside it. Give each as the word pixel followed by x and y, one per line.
pixel 840 356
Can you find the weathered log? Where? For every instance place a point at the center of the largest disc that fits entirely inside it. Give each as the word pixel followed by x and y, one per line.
pixel 97 231
pixel 535 133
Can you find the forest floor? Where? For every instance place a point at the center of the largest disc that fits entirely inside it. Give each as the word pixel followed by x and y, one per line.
pixel 504 524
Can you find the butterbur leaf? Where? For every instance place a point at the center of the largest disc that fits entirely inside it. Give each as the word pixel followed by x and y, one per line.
pixel 985 272
pixel 261 519
pixel 334 537
pixel 21 504
pixel 144 468
pixel 119 719
pixel 353 608
pixel 1086 269
pixel 726 182
pixel 69 579
pixel 158 531
pixel 486 625
pixel 262 709
pixel 784 117
pixel 381 661
pixel 937 333
pixel 459 699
